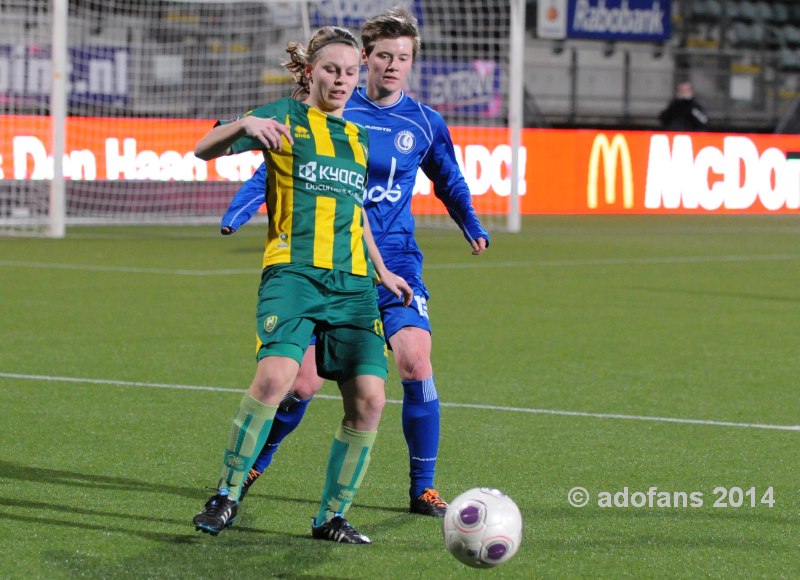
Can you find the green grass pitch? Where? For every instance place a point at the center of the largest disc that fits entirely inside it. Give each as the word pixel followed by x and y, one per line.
pixel 601 352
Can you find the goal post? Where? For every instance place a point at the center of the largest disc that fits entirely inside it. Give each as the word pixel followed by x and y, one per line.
pixel 470 70
pixel 57 209
pixel 103 102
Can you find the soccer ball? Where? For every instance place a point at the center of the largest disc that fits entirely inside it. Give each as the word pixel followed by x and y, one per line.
pixel 482 527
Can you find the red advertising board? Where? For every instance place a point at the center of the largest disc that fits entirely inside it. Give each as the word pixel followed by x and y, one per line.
pixel 656 172
pixel 561 171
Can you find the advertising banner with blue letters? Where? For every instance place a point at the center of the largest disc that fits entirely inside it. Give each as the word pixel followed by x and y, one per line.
pixel 98 75
pixel 352 13
pixel 613 20
pixel 466 87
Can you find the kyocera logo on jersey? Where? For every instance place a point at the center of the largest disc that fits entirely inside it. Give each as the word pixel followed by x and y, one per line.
pixel 308 171
pixel 404 141
pixel 314 171
pixel 612 153
pixel 734 177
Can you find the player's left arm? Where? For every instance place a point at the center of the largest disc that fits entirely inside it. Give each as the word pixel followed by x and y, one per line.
pixel 389 280
pixel 245 202
pixel 451 188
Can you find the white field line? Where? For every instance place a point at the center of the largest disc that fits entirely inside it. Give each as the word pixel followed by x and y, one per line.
pixel 124 269
pixel 618 261
pixel 557 412
pixel 444 266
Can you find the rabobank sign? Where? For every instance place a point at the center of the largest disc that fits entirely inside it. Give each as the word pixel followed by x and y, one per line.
pixel 628 20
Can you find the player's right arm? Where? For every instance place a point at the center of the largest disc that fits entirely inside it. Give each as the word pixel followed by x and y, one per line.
pixel 218 141
pixel 245 202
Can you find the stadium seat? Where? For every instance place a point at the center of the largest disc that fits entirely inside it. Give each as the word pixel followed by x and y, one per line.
pixel 774 37
pixel 758 34
pixel 763 11
pixel 705 11
pixel 738 34
pixel 791 36
pixel 789 60
pixel 745 35
pixel 794 13
pixel 746 11
pixel 780 13
pixel 697 10
pixel 714 10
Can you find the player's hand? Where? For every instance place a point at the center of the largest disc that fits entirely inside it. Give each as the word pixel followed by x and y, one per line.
pixel 268 131
pixel 397 286
pixel 478 246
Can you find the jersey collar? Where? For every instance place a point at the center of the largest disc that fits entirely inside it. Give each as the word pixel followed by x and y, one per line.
pixel 362 92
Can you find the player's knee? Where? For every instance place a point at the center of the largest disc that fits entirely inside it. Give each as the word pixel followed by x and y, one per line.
pixel 373 403
pixel 366 415
pixel 271 382
pixel 306 385
pixel 413 365
pixel 369 407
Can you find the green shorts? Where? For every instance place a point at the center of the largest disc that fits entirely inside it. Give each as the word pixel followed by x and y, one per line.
pixel 296 302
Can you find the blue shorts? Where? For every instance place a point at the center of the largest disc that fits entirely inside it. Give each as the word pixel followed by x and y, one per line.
pixel 396 316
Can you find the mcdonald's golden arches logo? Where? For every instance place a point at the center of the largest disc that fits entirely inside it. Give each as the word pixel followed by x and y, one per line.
pixel 611 152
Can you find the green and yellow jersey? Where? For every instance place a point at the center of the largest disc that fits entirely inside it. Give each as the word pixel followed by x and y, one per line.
pixel 315 189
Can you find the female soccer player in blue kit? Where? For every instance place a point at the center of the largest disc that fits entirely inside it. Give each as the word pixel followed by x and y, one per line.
pixel 404 135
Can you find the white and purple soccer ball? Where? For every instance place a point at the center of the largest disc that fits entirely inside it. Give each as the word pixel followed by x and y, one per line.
pixel 483 527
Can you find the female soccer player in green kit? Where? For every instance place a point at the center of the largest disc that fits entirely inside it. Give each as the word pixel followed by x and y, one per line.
pixel 405 136
pixel 319 269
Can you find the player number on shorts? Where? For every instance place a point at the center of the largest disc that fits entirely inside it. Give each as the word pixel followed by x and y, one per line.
pixel 422 305
pixel 377 326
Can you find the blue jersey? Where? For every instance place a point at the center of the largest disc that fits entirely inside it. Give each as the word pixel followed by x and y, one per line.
pixel 403 137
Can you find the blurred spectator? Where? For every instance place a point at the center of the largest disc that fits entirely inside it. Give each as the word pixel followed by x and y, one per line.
pixel 684 113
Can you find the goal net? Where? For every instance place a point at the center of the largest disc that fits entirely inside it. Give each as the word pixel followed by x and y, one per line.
pixel 105 134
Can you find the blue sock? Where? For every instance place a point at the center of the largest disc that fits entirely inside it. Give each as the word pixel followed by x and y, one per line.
pixel 288 417
pixel 421 429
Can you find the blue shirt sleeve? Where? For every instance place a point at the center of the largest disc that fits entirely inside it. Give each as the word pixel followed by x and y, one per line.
pixel 246 200
pixel 449 185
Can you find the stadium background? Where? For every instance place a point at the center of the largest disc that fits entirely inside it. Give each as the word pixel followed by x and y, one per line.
pixel 146 78
pixel 615 352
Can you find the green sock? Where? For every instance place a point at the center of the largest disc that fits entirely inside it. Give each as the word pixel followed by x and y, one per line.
pixel 347 464
pixel 249 431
